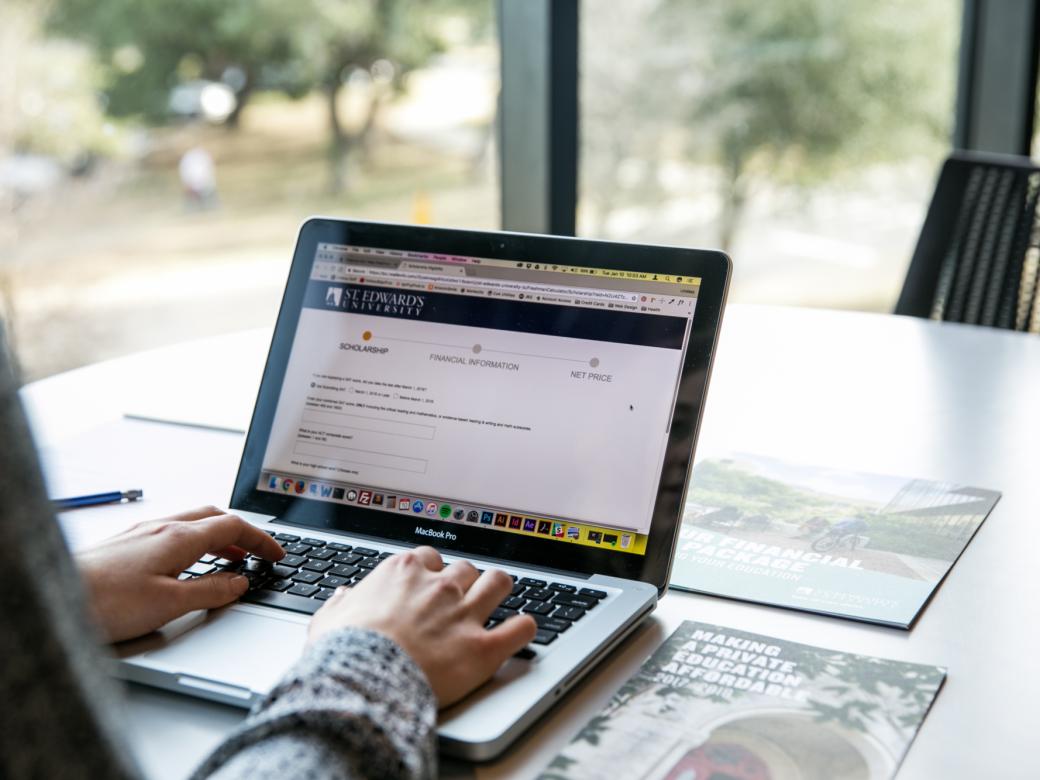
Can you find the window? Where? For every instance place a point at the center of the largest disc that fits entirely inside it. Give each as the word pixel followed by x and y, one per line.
pixel 156 160
pixel 803 136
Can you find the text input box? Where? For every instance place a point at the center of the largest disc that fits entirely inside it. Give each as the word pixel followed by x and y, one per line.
pixel 362 457
pixel 371 424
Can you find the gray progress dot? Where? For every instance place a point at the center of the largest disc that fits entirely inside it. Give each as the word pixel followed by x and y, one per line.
pixel 476 349
pixel 594 362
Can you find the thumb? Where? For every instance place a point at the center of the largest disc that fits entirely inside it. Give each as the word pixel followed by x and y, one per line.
pixel 211 591
pixel 504 640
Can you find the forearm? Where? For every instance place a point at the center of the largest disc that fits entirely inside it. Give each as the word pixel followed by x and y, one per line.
pixel 355 705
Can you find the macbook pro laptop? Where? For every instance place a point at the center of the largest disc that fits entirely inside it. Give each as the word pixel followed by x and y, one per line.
pixel 524 402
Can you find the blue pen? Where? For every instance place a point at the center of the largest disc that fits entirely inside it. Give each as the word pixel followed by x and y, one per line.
pixel 113 497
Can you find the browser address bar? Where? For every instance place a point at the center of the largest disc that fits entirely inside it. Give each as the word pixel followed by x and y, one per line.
pixel 491 284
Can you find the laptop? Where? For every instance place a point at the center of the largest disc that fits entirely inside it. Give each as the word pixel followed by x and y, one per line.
pixel 523 402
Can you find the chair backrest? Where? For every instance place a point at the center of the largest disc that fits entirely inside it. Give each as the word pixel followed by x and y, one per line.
pixel 977 260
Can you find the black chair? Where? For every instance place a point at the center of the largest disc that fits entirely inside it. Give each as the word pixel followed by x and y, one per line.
pixel 978 258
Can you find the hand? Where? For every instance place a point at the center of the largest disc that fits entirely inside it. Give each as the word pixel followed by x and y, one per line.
pixel 436 615
pixel 132 578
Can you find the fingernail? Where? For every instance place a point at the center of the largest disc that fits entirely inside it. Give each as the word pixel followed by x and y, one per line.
pixel 240 582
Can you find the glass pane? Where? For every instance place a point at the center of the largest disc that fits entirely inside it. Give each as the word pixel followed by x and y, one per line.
pixel 156 159
pixel 803 136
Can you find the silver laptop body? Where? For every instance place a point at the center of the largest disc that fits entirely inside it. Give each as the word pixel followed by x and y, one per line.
pixel 337 424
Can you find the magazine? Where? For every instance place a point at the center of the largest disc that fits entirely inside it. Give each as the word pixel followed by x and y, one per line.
pixel 862 546
pixel 716 703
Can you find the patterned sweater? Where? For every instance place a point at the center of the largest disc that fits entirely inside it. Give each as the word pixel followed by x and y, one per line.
pixel 353 706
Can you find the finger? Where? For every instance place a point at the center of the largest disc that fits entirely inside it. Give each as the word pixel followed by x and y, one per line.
pixel 429 558
pixel 463 573
pixel 232 553
pixel 149 526
pixel 334 600
pixel 200 513
pixel 239 538
pixel 209 592
pixel 506 639
pixel 487 593
pixel 231 531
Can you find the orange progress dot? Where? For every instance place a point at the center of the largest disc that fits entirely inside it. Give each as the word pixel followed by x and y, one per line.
pixel 366 335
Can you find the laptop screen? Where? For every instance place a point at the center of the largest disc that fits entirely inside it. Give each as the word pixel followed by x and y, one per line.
pixel 525 398
pixel 478 402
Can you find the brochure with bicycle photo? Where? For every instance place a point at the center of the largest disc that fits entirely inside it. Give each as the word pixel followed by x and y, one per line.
pixel 714 702
pixel 862 546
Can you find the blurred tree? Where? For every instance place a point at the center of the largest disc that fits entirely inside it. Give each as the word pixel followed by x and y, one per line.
pixel 146 47
pixel 779 92
pixel 798 90
pixel 149 46
pixel 376 43
pixel 625 111
pixel 50 126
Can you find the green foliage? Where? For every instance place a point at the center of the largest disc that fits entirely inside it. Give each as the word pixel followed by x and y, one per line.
pixel 806 88
pixel 787 92
pixel 908 535
pixel 145 47
pixel 856 689
pixel 854 692
pixel 724 484
pixel 558 768
pixel 47 101
pixel 718 484
pixel 874 689
pixel 329 38
pixel 594 730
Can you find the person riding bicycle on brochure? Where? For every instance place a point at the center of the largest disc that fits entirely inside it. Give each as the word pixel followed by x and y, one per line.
pixel 849 525
pixel 846 532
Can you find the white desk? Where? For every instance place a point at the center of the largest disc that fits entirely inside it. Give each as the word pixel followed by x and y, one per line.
pixel 869 392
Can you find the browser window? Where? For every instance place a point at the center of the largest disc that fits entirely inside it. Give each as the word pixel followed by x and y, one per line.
pixel 526 398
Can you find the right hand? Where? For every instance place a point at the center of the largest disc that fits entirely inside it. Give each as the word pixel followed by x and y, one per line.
pixel 436 614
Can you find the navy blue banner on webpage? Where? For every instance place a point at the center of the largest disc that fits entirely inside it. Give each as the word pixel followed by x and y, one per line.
pixel 575 322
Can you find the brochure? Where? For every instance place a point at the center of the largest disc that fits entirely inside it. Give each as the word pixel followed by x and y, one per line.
pixel 716 703
pixel 861 546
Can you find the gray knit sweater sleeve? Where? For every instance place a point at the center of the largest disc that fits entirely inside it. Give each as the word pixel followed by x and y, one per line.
pixel 354 706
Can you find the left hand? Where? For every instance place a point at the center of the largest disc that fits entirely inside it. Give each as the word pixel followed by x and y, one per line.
pixel 131 579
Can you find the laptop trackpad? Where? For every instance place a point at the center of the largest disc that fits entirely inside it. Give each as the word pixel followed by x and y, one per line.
pixel 239 646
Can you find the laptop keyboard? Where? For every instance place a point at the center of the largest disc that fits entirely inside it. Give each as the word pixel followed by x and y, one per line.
pixel 312 569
